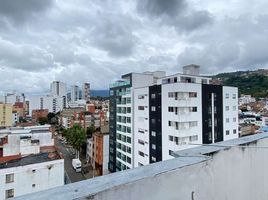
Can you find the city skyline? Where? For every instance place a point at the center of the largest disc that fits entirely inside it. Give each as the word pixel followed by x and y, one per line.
pixel 98 40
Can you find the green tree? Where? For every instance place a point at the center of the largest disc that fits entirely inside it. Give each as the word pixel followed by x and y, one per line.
pixel 52 118
pixel 42 120
pixel 76 136
pixel 90 131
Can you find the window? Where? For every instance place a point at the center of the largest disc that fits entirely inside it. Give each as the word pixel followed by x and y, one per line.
pixel 169 123
pixel 234 119
pixel 153 96
pixel 226 96
pixel 175 79
pixel 209 123
pixel 140 130
pixel 170 138
pixel 192 94
pixel 140 164
pixel 170 152
pixel 153 121
pixel 129 140
pixel 141 153
pixel 9 193
pixel 192 124
pixel 129 160
pixel 234 107
pixel 153 159
pixel 140 107
pixel 170 109
pixel 204 81
pixel 234 96
pixel 141 97
pixel 227 120
pixel 234 131
pixel 128 110
pixel 227 132
pixel 171 94
pixel 111 92
pixel 193 138
pixel 226 108
pixel 153 146
pixel 153 108
pixel 153 133
pixel 33 185
pixel 9 178
pixel 141 142
pixel 193 109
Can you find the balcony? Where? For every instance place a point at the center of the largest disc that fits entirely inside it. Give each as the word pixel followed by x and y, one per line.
pixel 234 169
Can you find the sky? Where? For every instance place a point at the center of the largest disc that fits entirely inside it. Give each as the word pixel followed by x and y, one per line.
pixel 97 41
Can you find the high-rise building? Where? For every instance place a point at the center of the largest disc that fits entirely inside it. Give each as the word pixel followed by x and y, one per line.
pixel 74 93
pixel 58 88
pixel 86 91
pixel 6 118
pixel 167 114
pixel 121 138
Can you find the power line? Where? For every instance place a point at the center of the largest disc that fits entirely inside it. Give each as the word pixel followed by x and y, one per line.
pixel 229 146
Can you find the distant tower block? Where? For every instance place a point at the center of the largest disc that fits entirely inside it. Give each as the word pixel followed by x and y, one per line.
pixel 86 91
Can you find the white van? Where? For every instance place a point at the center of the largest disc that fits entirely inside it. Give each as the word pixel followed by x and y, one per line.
pixel 76 164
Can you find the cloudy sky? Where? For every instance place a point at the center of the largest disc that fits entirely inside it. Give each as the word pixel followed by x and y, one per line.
pixel 98 40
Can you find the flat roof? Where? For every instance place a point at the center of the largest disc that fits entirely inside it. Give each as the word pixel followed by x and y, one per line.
pixel 31 159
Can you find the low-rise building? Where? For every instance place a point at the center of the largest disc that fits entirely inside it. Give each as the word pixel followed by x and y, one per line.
pixel 40 113
pixel 29 161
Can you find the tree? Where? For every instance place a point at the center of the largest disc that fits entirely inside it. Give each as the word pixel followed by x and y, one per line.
pixel 42 120
pixel 90 131
pixel 52 118
pixel 76 136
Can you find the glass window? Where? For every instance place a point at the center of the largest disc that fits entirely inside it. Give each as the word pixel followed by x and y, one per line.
pixel 227 132
pixel 9 193
pixel 9 178
pixel 153 133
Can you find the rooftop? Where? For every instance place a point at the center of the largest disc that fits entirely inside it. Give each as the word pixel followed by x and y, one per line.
pixel 31 159
pixel 199 173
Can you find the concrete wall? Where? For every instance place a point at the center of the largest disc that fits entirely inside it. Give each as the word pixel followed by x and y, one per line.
pixel 46 175
pixel 238 172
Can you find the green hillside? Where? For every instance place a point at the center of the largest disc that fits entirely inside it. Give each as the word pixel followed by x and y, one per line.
pixel 248 82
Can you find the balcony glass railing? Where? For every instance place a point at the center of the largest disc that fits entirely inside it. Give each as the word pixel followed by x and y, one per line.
pixel 119 83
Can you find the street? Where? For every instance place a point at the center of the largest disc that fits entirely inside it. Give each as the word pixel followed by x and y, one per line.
pixel 68 155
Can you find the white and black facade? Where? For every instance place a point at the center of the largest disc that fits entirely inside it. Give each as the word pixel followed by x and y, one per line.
pixel 178 112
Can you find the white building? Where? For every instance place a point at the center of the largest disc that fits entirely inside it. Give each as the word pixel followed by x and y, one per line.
pixel 86 92
pixel 58 88
pixel 246 99
pixel 74 93
pixel 169 113
pixel 52 103
pixel 122 118
pixel 29 161
pixel 30 174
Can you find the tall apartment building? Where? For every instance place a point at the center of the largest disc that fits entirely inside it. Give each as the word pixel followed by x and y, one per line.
pixel 121 138
pixel 52 103
pixel 86 91
pixel 74 93
pixel 58 88
pixel 6 118
pixel 170 113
